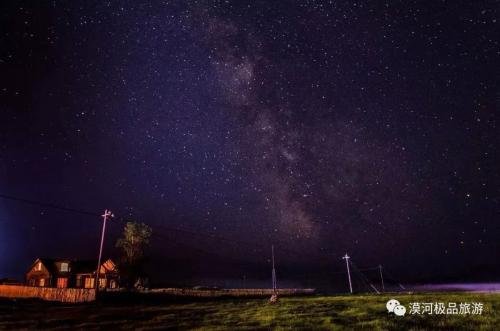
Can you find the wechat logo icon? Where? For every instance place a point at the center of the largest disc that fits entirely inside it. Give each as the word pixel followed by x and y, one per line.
pixel 393 306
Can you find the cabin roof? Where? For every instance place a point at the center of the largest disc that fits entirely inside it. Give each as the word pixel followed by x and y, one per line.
pixel 77 266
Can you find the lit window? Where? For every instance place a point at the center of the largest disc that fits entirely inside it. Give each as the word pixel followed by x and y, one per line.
pixel 102 282
pixel 38 266
pixel 89 282
pixel 64 267
pixel 42 282
pixel 62 282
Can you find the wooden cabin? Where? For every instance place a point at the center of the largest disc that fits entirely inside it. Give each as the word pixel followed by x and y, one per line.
pixel 63 273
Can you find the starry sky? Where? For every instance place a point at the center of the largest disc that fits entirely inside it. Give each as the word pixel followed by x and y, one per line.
pixel 321 127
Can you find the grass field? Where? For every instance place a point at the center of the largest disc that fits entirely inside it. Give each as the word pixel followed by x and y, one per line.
pixel 294 313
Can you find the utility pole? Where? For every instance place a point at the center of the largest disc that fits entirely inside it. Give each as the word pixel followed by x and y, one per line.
pixel 381 277
pixel 274 271
pixel 107 214
pixel 346 258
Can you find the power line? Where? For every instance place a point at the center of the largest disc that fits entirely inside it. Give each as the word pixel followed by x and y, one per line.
pixel 121 219
pixel 155 233
pixel 48 205
pixel 89 213
pixel 365 279
pixel 394 279
pixel 198 234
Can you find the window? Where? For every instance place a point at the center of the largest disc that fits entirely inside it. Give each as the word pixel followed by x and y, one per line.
pixel 102 282
pixel 62 282
pixel 89 282
pixel 78 281
pixel 64 267
pixel 38 266
pixel 41 282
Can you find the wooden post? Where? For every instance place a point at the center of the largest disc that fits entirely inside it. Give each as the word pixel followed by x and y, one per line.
pixel 346 258
pixel 107 214
pixel 381 277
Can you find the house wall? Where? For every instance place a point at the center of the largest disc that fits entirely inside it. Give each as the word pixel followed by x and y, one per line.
pixel 48 293
pixel 33 276
pixel 68 278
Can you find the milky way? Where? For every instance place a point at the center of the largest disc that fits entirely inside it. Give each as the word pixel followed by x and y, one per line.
pixel 321 127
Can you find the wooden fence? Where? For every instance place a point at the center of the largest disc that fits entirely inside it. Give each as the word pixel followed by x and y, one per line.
pixel 48 293
pixel 231 292
pixel 75 295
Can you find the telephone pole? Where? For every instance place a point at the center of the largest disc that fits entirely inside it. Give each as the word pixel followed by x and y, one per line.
pixel 381 277
pixel 274 271
pixel 107 214
pixel 346 258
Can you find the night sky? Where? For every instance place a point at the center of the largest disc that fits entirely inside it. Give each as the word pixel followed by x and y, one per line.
pixel 322 127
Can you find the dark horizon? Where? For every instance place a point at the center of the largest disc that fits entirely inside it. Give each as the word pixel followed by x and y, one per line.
pixel 199 266
pixel 322 128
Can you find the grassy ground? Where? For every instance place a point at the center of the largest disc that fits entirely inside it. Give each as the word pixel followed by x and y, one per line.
pixel 297 313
